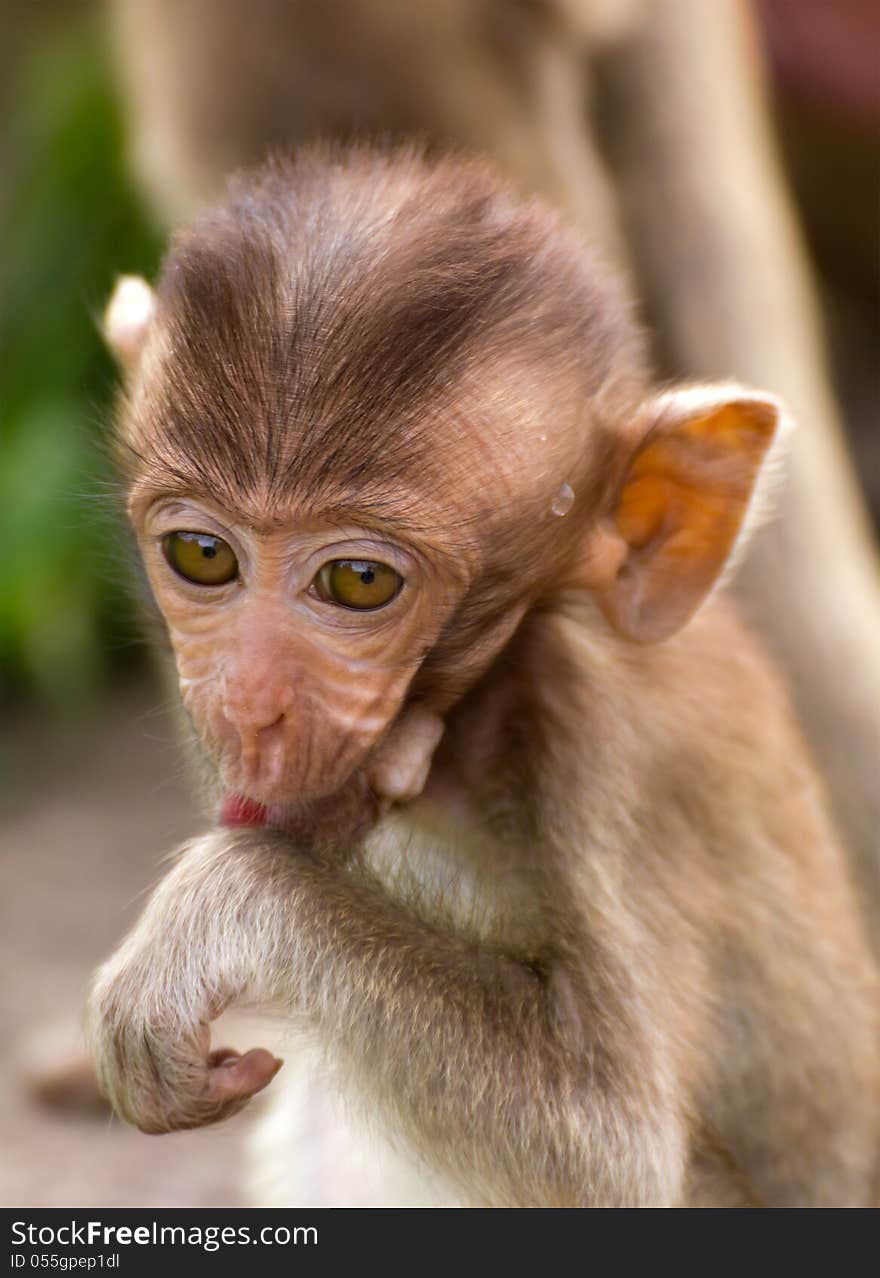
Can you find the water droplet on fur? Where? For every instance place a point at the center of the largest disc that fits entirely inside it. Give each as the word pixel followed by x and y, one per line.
pixel 563 501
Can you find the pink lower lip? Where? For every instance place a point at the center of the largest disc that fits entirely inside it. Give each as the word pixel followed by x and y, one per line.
pixel 237 812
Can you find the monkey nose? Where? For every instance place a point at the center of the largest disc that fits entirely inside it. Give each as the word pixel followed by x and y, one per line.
pixel 249 722
pixel 257 713
pixel 256 735
pixel 268 730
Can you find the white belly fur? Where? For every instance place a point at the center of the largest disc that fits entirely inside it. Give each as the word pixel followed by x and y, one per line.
pixel 313 1149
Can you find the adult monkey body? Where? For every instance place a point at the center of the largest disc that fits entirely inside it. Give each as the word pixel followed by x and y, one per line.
pixel 537 859
pixel 703 223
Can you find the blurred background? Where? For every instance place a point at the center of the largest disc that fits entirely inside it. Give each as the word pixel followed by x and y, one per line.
pixel 91 786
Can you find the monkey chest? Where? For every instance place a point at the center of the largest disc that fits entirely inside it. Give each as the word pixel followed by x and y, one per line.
pixel 321 1141
pixel 450 866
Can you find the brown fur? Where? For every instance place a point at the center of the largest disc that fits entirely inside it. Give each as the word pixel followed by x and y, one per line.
pixel 640 977
pixel 374 275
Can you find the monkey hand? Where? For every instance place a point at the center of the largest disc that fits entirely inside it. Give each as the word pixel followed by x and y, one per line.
pixel 148 1027
pixel 399 768
pixel 155 1066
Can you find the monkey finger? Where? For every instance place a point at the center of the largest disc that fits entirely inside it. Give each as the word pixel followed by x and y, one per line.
pixel 233 1077
pixel 227 1082
pixel 400 767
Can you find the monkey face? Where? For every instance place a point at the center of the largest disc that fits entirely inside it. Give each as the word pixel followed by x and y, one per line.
pixel 295 644
pixel 372 413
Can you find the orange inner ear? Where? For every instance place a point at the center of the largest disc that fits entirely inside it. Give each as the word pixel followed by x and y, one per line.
pixel 680 510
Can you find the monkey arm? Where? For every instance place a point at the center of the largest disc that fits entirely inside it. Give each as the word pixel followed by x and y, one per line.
pixel 469 1051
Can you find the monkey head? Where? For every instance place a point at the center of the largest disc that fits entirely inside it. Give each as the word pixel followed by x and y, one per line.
pixel 375 411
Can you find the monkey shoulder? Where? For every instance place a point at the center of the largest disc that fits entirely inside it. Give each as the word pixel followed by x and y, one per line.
pixel 682 755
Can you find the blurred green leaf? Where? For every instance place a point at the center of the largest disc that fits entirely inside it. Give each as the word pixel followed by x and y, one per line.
pixel 72 224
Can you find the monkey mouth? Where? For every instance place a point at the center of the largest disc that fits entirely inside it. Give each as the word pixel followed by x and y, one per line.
pixel 352 810
pixel 238 812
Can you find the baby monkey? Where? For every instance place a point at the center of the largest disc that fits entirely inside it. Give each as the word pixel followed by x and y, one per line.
pixel 515 828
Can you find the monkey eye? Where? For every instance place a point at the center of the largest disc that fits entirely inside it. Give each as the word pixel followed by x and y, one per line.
pixel 200 557
pixel 357 583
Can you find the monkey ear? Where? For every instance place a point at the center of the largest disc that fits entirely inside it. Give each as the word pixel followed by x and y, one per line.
pixel 684 504
pixel 128 317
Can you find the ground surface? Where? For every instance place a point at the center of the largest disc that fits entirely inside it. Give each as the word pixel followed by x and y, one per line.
pixel 85 815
